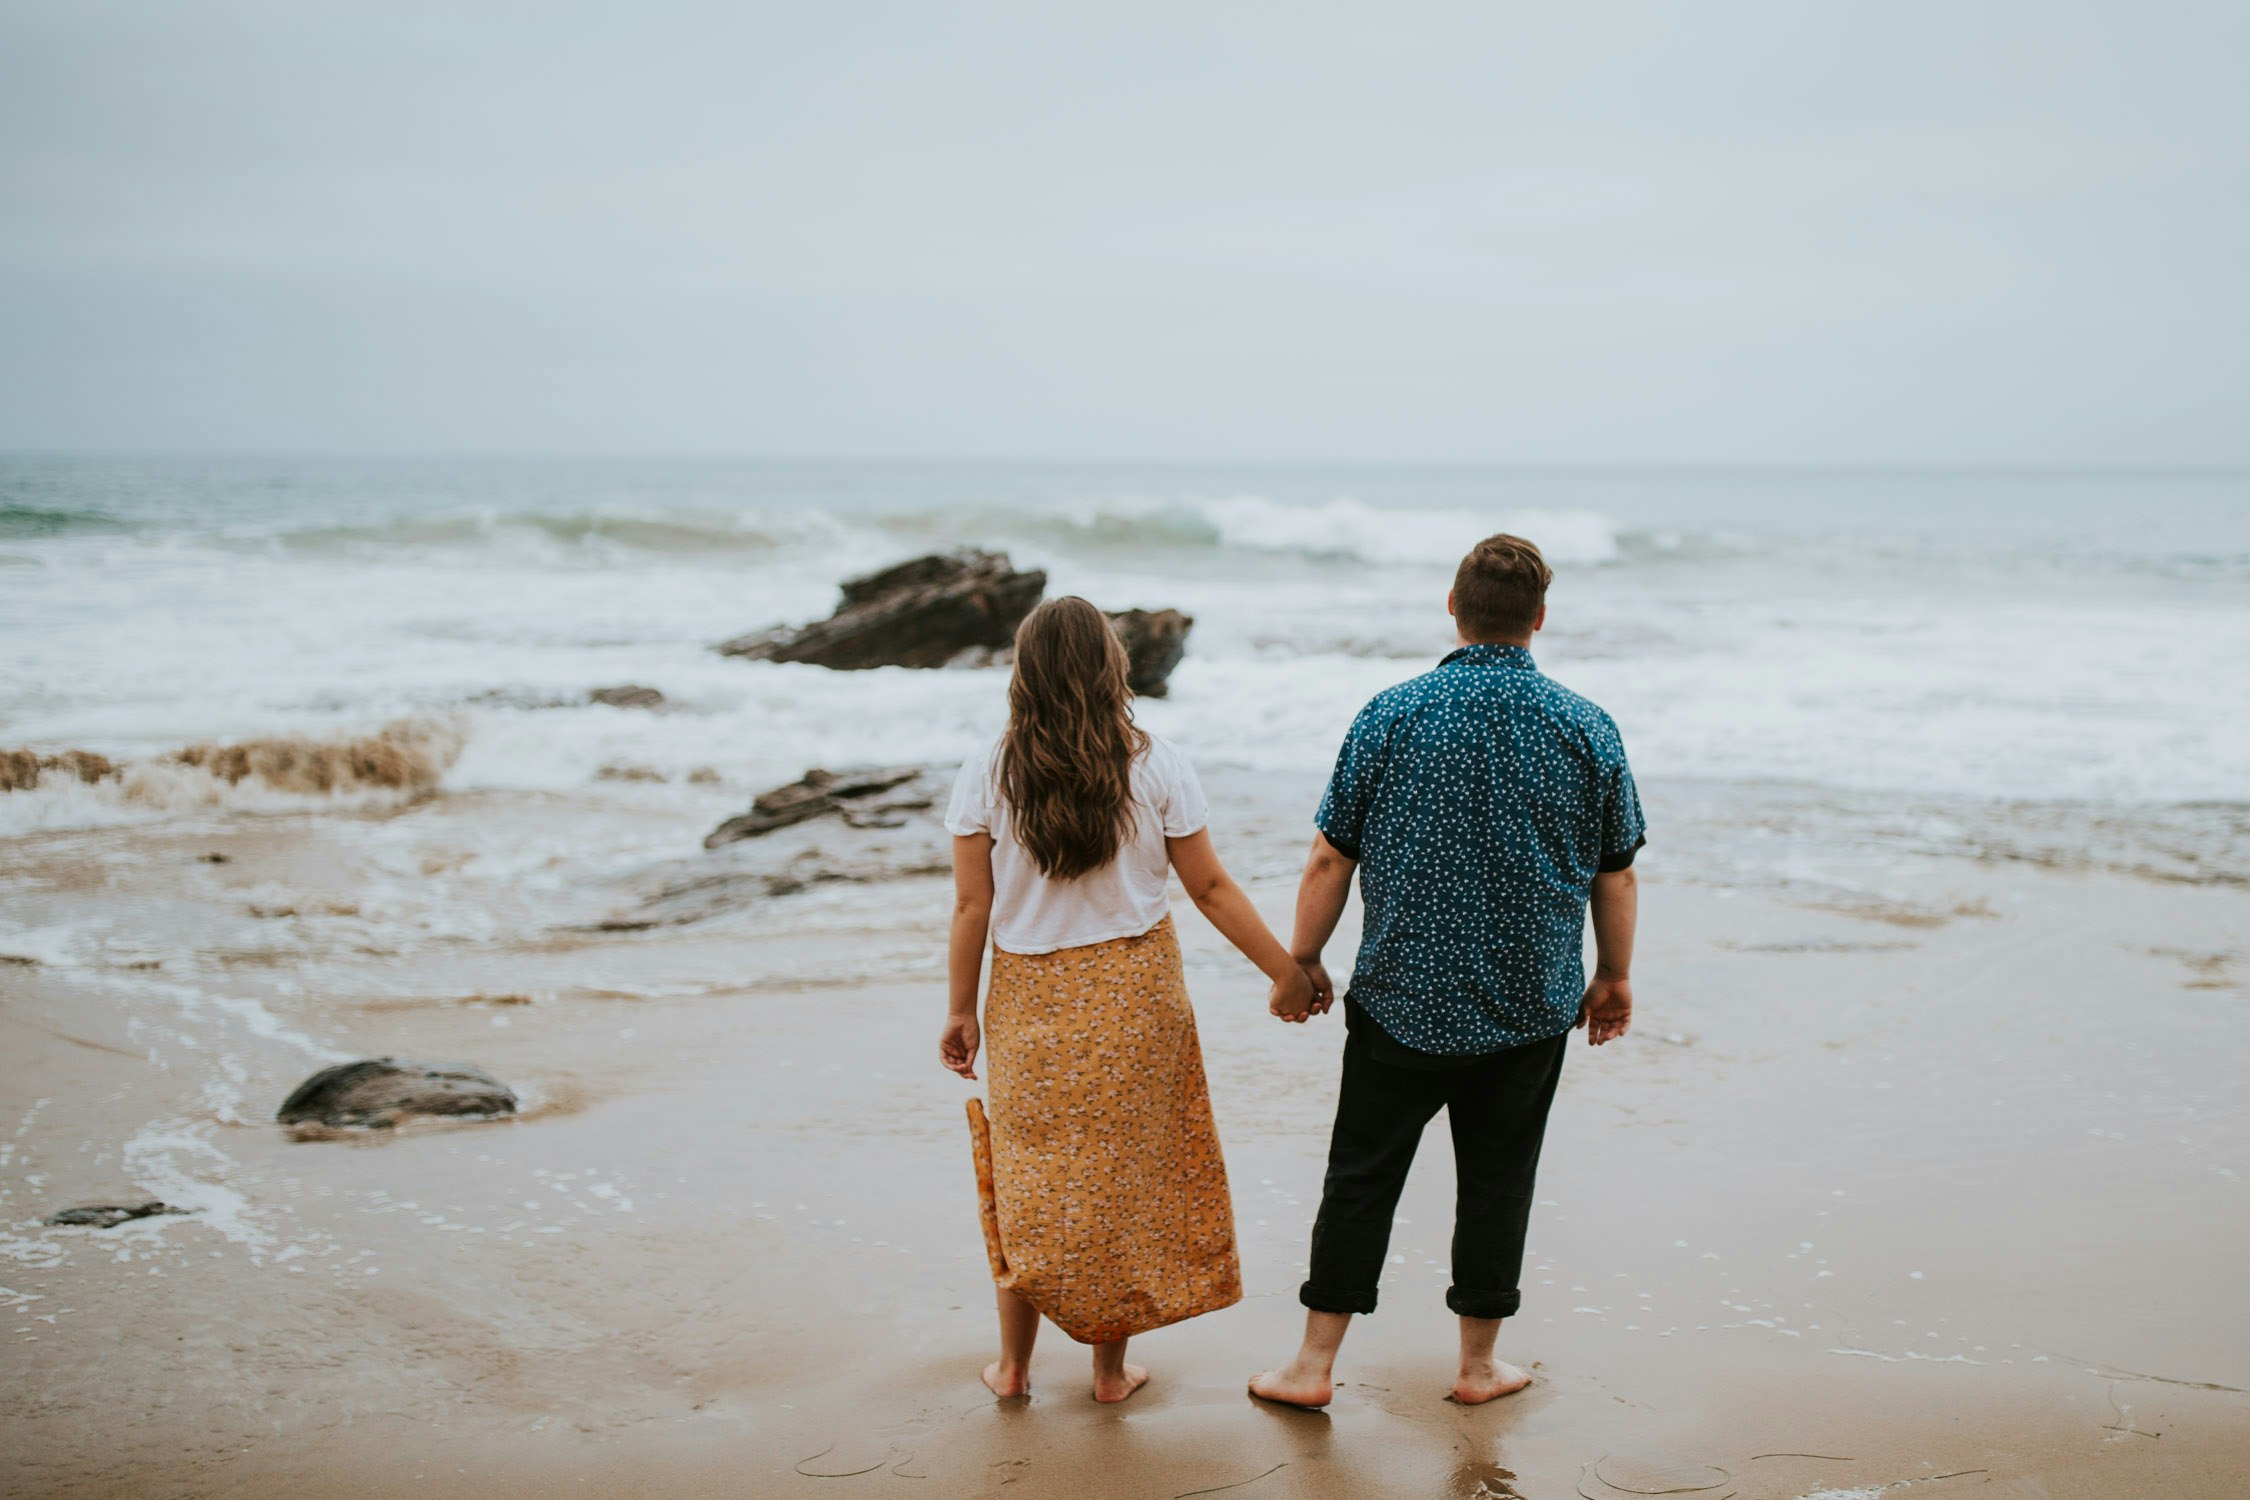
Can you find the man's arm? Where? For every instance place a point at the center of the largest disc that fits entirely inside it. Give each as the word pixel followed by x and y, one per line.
pixel 1607 1010
pixel 1320 905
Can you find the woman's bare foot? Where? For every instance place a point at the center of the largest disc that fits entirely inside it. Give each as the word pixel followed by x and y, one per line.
pixel 1488 1380
pixel 1006 1383
pixel 1118 1384
pixel 1310 1389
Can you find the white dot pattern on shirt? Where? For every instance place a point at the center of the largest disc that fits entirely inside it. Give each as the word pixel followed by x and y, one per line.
pixel 1480 800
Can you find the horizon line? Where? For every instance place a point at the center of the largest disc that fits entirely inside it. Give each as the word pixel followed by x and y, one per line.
pixel 1662 466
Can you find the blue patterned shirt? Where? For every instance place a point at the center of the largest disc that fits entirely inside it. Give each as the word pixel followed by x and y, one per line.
pixel 1480 800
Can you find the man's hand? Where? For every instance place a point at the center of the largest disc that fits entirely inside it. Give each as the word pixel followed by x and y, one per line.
pixel 1324 988
pixel 1607 1010
pixel 1293 998
pixel 957 1045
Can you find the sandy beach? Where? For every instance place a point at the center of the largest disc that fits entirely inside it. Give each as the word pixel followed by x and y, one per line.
pixel 1941 1196
pixel 512 523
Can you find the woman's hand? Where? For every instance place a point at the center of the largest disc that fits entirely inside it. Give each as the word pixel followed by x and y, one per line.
pixel 1292 998
pixel 957 1045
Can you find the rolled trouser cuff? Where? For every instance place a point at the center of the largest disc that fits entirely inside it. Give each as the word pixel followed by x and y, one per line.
pixel 1329 1300
pixel 1471 1303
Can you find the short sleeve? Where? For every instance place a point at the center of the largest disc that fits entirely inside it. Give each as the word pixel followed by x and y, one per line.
pixel 1183 808
pixel 970 811
pixel 1624 830
pixel 1351 789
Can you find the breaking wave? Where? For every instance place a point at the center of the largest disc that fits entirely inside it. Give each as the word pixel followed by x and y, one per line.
pixel 407 756
pixel 24 521
pixel 692 531
pixel 1343 529
pixel 286 773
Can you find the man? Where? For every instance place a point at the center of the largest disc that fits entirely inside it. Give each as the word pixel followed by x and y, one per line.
pixel 1484 807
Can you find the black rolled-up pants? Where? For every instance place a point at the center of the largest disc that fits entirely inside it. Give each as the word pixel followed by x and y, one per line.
pixel 1497 1106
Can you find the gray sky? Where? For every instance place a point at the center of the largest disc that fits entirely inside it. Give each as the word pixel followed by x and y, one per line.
pixel 1890 232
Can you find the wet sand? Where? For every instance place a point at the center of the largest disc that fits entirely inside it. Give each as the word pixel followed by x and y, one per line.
pixel 1945 1196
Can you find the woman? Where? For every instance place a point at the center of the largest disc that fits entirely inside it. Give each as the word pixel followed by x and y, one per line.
pixel 1104 1197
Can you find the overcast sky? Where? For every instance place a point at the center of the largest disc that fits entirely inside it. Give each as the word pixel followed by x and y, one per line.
pixel 1890 232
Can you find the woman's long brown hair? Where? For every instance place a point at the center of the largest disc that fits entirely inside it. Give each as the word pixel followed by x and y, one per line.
pixel 1065 764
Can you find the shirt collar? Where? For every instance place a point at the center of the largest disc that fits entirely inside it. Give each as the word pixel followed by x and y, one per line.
pixel 1489 654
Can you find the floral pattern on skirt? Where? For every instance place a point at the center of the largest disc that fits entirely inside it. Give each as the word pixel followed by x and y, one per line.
pixel 1100 1183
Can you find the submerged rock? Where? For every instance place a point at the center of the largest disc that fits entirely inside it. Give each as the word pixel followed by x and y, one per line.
pixel 110 1215
pixel 861 826
pixel 864 798
pixel 377 1093
pixel 920 613
pixel 628 695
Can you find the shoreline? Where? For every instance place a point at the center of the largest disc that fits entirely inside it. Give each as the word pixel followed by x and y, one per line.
pixel 735 1229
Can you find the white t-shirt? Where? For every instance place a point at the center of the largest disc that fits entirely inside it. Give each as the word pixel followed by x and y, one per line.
pixel 1125 898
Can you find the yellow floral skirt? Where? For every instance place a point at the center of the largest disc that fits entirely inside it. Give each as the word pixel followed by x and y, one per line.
pixel 1104 1195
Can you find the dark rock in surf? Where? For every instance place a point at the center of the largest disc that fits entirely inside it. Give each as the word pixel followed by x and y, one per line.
pixel 630 695
pixel 378 1093
pixel 110 1215
pixel 920 613
pixel 865 798
pixel 1155 641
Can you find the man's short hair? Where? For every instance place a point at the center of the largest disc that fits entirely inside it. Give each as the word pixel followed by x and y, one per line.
pixel 1499 589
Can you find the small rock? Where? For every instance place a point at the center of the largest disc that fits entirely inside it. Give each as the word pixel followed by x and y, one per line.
pixel 1155 641
pixel 630 695
pixel 377 1093
pixel 110 1215
pixel 216 859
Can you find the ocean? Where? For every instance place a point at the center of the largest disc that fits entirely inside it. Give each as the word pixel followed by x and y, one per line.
pixel 2043 664
pixel 1939 965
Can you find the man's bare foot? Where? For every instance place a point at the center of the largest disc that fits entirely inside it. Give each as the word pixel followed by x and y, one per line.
pixel 1290 1386
pixel 1128 1379
pixel 1007 1383
pixel 1488 1381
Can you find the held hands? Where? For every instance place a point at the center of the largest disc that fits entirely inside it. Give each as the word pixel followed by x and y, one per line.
pixel 957 1045
pixel 1607 1010
pixel 1292 998
pixel 1301 996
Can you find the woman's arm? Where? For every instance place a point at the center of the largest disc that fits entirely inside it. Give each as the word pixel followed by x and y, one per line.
pixel 964 954
pixel 1216 895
